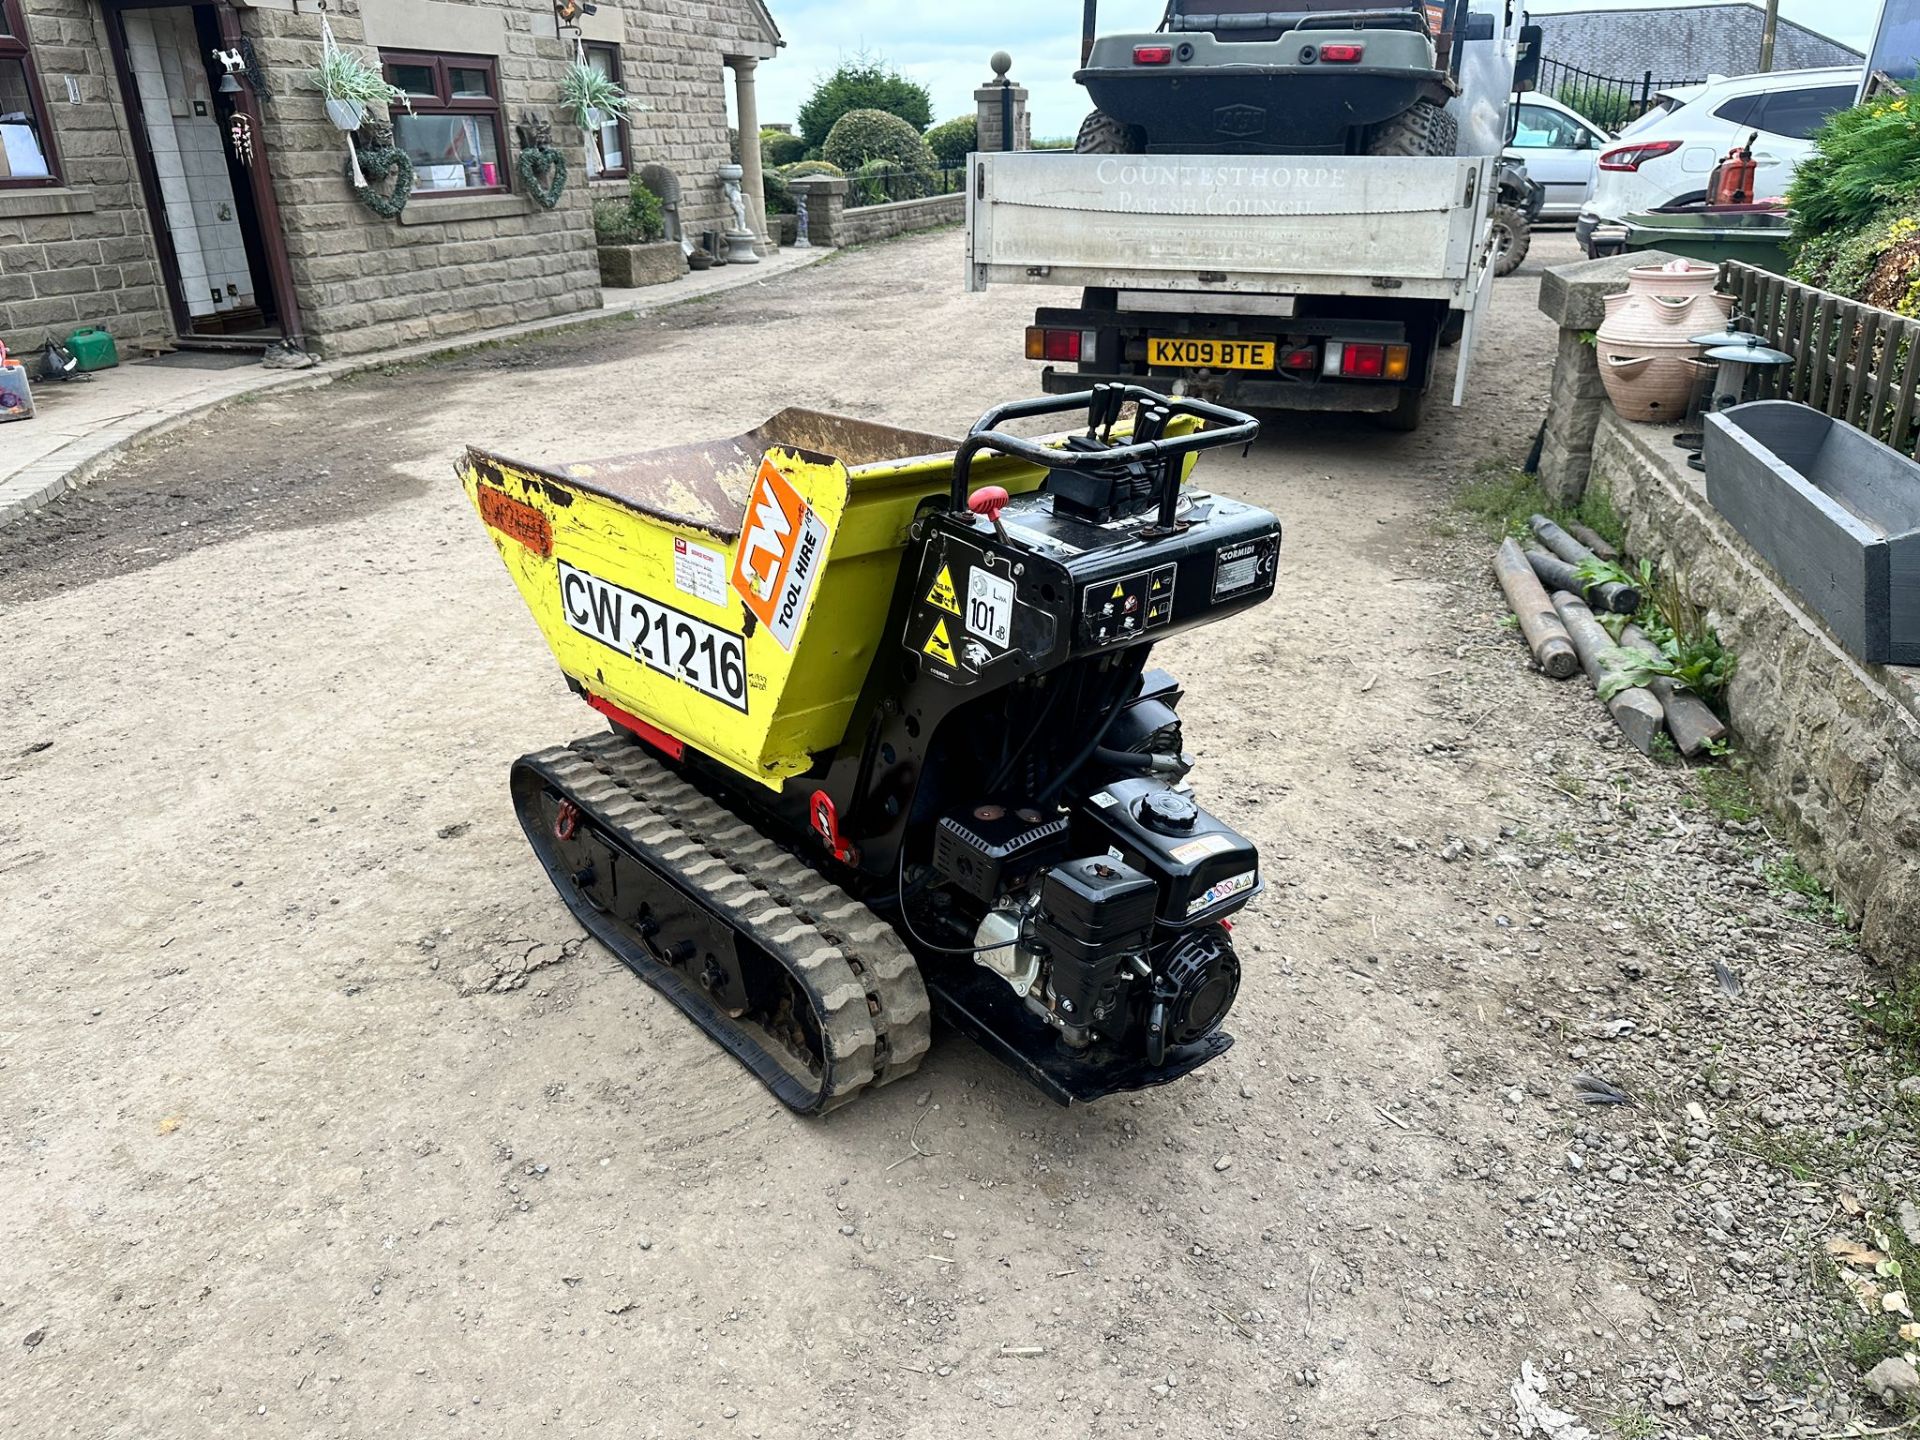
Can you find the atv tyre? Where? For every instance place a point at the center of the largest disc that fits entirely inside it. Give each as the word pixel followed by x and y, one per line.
pixel 1424 128
pixel 1511 237
pixel 1101 134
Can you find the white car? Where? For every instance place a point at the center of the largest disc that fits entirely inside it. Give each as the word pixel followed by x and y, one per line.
pixel 1667 156
pixel 1559 146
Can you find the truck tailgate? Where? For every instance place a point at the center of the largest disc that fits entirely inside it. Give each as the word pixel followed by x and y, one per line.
pixel 1324 225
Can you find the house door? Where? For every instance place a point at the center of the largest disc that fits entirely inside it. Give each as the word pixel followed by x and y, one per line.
pixel 203 166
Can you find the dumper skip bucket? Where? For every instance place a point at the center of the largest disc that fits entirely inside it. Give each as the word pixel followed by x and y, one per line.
pixel 730 596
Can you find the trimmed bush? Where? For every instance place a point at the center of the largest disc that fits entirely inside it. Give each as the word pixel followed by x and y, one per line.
pixel 863 135
pixel 778 148
pixel 800 169
pixel 862 84
pixel 953 140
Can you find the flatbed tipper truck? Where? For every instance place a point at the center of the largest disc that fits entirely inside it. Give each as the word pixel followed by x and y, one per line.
pixel 1278 282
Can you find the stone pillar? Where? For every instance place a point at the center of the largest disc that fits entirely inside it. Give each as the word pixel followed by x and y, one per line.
pixel 826 201
pixel 1574 298
pixel 987 106
pixel 753 183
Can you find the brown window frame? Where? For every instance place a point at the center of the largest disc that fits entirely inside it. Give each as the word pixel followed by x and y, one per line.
pixel 17 47
pixel 444 102
pixel 624 170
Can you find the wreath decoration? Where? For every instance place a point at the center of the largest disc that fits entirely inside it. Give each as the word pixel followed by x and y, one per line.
pixel 377 164
pixel 543 170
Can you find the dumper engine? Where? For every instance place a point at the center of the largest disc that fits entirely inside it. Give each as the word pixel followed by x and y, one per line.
pixel 1025 817
pixel 989 820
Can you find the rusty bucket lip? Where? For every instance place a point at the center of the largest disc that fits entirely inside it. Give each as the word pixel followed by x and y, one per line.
pixel 713 476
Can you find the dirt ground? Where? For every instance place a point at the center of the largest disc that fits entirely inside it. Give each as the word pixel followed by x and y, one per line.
pixel 318 1118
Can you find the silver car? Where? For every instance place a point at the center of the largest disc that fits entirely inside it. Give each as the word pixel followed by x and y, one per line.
pixel 1559 146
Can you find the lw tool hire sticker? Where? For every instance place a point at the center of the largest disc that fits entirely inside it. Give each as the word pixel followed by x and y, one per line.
pixel 783 549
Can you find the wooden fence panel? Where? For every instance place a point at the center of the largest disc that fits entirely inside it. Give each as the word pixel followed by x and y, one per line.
pixel 1856 362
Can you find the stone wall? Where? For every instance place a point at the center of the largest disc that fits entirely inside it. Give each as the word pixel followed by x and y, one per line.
pixel 1833 745
pixel 449 264
pixel 877 222
pixel 79 254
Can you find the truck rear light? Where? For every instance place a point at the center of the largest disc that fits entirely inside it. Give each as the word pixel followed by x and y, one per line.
pixel 1342 54
pixel 1632 157
pixel 1045 343
pixel 1301 357
pixel 1359 360
pixel 1153 54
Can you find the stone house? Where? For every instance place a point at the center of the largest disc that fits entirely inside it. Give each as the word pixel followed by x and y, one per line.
pixel 168 171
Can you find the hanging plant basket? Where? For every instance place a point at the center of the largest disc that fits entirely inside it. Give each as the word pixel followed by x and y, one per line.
pixel 543 171
pixel 347 115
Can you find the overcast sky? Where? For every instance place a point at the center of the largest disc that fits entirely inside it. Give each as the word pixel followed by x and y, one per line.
pixel 946 46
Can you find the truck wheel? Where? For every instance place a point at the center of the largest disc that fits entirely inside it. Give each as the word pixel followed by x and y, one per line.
pixel 1421 129
pixel 1101 134
pixel 1511 237
pixel 1406 414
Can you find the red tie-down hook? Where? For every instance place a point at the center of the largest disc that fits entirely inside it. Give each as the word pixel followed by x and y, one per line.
pixel 826 824
pixel 990 500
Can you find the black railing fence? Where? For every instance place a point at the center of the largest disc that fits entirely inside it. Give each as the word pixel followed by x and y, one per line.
pixel 881 184
pixel 1610 101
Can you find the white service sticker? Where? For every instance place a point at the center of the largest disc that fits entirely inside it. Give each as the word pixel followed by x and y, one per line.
pixel 699 571
pixel 989 606
pixel 1224 890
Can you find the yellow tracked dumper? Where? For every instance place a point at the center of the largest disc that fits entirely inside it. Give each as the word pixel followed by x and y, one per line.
pixel 883 742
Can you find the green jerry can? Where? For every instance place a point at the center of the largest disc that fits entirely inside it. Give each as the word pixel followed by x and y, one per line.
pixel 93 348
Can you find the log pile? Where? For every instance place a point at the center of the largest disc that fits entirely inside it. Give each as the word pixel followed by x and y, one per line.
pixel 1556 611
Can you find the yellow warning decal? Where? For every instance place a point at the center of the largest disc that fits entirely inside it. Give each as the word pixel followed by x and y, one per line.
pixel 1118 591
pixel 942 593
pixel 939 646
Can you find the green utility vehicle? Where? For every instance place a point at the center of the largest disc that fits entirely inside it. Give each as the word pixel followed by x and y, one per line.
pixel 1264 77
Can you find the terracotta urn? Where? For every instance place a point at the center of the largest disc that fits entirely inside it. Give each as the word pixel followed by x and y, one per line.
pixel 1648 362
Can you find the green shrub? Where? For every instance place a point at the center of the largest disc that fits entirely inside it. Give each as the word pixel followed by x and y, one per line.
pixel 635 220
pixel 800 169
pixel 862 83
pixel 1865 160
pixel 1604 105
pixel 778 148
pixel 778 192
pixel 953 140
pixel 863 135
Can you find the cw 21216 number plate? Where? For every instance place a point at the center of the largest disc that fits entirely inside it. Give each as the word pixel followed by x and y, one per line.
pixel 701 656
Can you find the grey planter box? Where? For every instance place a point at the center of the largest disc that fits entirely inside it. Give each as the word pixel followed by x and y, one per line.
pixel 1834 511
pixel 625 267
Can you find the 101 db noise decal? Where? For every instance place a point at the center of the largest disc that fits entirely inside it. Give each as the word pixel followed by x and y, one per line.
pixel 783 549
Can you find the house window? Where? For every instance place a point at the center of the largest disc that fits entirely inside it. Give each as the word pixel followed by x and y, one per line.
pixel 26 139
pixel 612 136
pixel 454 135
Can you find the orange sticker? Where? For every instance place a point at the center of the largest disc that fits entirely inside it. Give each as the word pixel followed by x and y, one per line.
pixel 516 519
pixel 782 550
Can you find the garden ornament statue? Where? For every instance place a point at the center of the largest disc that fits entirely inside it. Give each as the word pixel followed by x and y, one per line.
pixel 801 242
pixel 739 239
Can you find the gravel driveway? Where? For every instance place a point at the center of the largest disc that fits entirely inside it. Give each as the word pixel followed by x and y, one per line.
pixel 319 1118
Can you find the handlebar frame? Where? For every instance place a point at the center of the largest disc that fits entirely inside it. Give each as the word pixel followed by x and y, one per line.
pixel 1236 429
